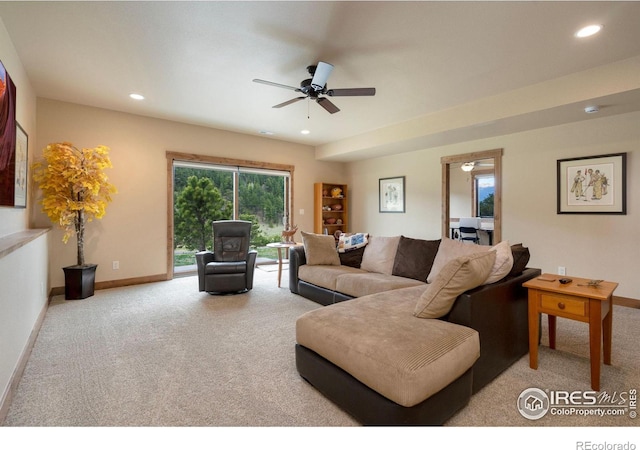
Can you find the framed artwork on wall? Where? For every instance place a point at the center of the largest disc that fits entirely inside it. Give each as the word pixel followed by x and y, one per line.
pixel 7 138
pixel 391 195
pixel 593 184
pixel 22 153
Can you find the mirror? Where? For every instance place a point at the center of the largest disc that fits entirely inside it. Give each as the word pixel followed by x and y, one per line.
pixel 479 163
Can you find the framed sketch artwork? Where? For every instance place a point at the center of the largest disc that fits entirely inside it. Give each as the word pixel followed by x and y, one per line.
pixel 593 185
pixel 391 193
pixel 22 148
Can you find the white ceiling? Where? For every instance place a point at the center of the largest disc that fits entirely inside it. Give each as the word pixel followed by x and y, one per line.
pixel 195 61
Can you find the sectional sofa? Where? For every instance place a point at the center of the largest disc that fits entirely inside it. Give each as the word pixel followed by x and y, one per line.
pixel 411 328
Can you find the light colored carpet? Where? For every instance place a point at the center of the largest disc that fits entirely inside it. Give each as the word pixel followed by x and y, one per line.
pixel 164 354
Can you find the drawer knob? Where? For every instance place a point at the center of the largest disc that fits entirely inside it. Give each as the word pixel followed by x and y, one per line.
pixel 561 305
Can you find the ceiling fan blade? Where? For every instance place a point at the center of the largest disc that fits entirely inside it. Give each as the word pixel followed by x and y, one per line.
pixel 288 102
pixel 351 92
pixel 271 83
pixel 321 75
pixel 326 104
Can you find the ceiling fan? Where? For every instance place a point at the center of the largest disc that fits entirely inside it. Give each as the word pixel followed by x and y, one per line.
pixel 316 87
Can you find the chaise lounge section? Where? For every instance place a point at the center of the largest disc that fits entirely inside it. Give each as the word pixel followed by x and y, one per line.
pixel 385 364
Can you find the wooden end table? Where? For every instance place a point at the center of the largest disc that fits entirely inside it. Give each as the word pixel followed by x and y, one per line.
pixel 577 301
pixel 280 246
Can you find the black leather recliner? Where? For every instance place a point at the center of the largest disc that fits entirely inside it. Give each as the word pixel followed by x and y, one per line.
pixel 230 267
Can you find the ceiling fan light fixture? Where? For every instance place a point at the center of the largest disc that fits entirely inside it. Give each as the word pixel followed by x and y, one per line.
pixel 467 167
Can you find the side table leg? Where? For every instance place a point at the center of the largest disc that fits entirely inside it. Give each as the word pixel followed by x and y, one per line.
pixel 607 329
pixel 279 265
pixel 595 341
pixel 534 328
pixel 552 332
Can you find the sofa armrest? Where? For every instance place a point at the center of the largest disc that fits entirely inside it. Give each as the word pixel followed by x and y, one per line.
pixel 499 312
pixel 202 259
pixel 251 265
pixel 297 258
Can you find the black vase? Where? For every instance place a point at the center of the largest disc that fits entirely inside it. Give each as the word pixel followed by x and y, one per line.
pixel 79 281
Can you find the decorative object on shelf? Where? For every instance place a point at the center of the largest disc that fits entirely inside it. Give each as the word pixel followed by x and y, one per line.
pixel 592 283
pixel 592 185
pixel 336 192
pixel 288 232
pixel 339 222
pixel 336 207
pixel 75 191
pixel 391 195
pixel 330 220
pixel 325 192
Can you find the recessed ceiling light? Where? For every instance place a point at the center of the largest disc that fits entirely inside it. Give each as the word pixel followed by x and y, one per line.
pixel 267 133
pixel 305 132
pixel 592 109
pixel 136 96
pixel 588 31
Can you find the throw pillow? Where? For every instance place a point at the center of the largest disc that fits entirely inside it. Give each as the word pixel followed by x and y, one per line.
pixel 352 258
pixel 520 258
pixel 451 249
pixel 379 254
pixel 352 241
pixel 457 276
pixel 414 258
pixel 503 264
pixel 320 249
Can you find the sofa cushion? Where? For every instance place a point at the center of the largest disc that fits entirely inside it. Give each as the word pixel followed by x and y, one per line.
pixel 380 253
pixel 325 276
pixel 379 342
pixel 320 249
pixel 520 259
pixel 457 276
pixel 361 284
pixel 503 264
pixel 414 258
pixel 451 249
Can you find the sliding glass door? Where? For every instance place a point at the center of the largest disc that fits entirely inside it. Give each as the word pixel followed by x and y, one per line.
pixel 205 192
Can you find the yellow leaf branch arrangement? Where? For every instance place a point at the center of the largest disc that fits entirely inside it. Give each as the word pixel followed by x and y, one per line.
pixel 75 188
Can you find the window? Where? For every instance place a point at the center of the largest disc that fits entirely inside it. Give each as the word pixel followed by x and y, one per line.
pixel 483 194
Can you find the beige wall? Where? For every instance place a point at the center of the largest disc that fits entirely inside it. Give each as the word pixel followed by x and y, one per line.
pixel 594 246
pixel 134 230
pixel 23 272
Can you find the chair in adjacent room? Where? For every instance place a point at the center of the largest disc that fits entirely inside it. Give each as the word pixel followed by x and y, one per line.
pixel 229 268
pixel 468 228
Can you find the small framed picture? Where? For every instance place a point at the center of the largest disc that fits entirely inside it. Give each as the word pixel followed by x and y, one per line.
pixel 593 185
pixel 22 149
pixel 391 193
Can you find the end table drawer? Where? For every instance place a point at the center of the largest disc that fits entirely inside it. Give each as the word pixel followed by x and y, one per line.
pixel 564 304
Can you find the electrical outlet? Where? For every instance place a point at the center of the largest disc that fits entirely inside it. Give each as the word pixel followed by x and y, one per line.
pixel 562 270
pixel 301 212
pixel 116 265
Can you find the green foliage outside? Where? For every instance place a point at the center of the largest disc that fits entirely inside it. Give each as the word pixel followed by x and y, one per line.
pixel 197 206
pixel 486 207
